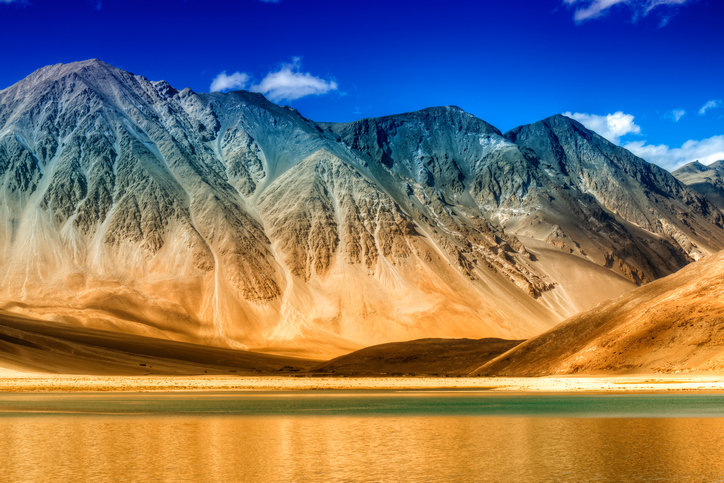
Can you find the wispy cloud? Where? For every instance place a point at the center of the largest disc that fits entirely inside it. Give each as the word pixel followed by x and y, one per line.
pixel 224 82
pixel 612 126
pixel 713 104
pixel 675 115
pixel 595 8
pixel 706 151
pixel 590 9
pixel 288 83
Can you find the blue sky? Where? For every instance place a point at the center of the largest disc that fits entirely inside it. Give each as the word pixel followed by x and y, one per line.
pixel 638 71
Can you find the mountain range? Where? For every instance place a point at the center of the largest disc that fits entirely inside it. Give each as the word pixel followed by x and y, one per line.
pixel 226 220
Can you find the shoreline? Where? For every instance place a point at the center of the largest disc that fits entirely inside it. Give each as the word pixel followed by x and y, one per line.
pixel 21 382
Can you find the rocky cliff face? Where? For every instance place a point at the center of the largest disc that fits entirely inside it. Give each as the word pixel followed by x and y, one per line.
pixel 708 181
pixel 224 219
pixel 630 200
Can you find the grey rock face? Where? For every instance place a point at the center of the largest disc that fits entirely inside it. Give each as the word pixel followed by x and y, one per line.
pixel 632 195
pixel 325 202
pixel 708 181
pixel 129 205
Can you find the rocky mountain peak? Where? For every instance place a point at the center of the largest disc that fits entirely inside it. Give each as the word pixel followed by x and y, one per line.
pixel 225 219
pixel 693 167
pixel 92 69
pixel 552 126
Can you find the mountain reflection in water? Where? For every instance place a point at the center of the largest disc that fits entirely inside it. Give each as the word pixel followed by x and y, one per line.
pixel 363 447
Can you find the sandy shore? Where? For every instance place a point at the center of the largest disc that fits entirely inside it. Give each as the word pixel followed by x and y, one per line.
pixel 22 382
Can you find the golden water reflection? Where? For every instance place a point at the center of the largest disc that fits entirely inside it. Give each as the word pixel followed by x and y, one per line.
pixel 359 448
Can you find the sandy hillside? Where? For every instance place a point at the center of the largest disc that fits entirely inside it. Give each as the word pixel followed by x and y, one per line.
pixel 675 324
pixel 33 346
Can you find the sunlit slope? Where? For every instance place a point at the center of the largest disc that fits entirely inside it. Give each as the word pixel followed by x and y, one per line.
pixel 675 324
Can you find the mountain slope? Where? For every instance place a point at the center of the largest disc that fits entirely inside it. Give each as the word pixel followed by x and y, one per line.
pixel 128 205
pixel 28 345
pixel 705 180
pixel 543 186
pixel 651 225
pixel 675 324
pixel 224 219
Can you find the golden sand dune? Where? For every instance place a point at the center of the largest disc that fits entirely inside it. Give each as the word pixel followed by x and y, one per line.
pixel 28 345
pixel 675 324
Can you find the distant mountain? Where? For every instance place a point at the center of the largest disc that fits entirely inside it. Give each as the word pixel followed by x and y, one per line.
pixel 675 324
pixel 705 180
pixel 224 219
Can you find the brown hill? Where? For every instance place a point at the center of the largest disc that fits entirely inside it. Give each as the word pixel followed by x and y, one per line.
pixel 423 356
pixel 675 324
pixel 29 345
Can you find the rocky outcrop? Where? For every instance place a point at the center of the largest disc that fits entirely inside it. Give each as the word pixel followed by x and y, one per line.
pixel 323 208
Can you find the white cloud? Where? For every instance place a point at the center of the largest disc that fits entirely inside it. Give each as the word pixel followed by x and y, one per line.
pixel 223 82
pixel 289 84
pixel 705 151
pixel 590 9
pixel 675 114
pixel 612 126
pixel 713 104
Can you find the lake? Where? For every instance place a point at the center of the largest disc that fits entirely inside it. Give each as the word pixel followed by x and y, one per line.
pixel 386 436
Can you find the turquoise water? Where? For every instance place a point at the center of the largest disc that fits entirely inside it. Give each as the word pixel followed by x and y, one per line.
pixel 380 436
pixel 356 403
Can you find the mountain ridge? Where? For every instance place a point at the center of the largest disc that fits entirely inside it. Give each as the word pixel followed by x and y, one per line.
pixel 228 220
pixel 705 180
